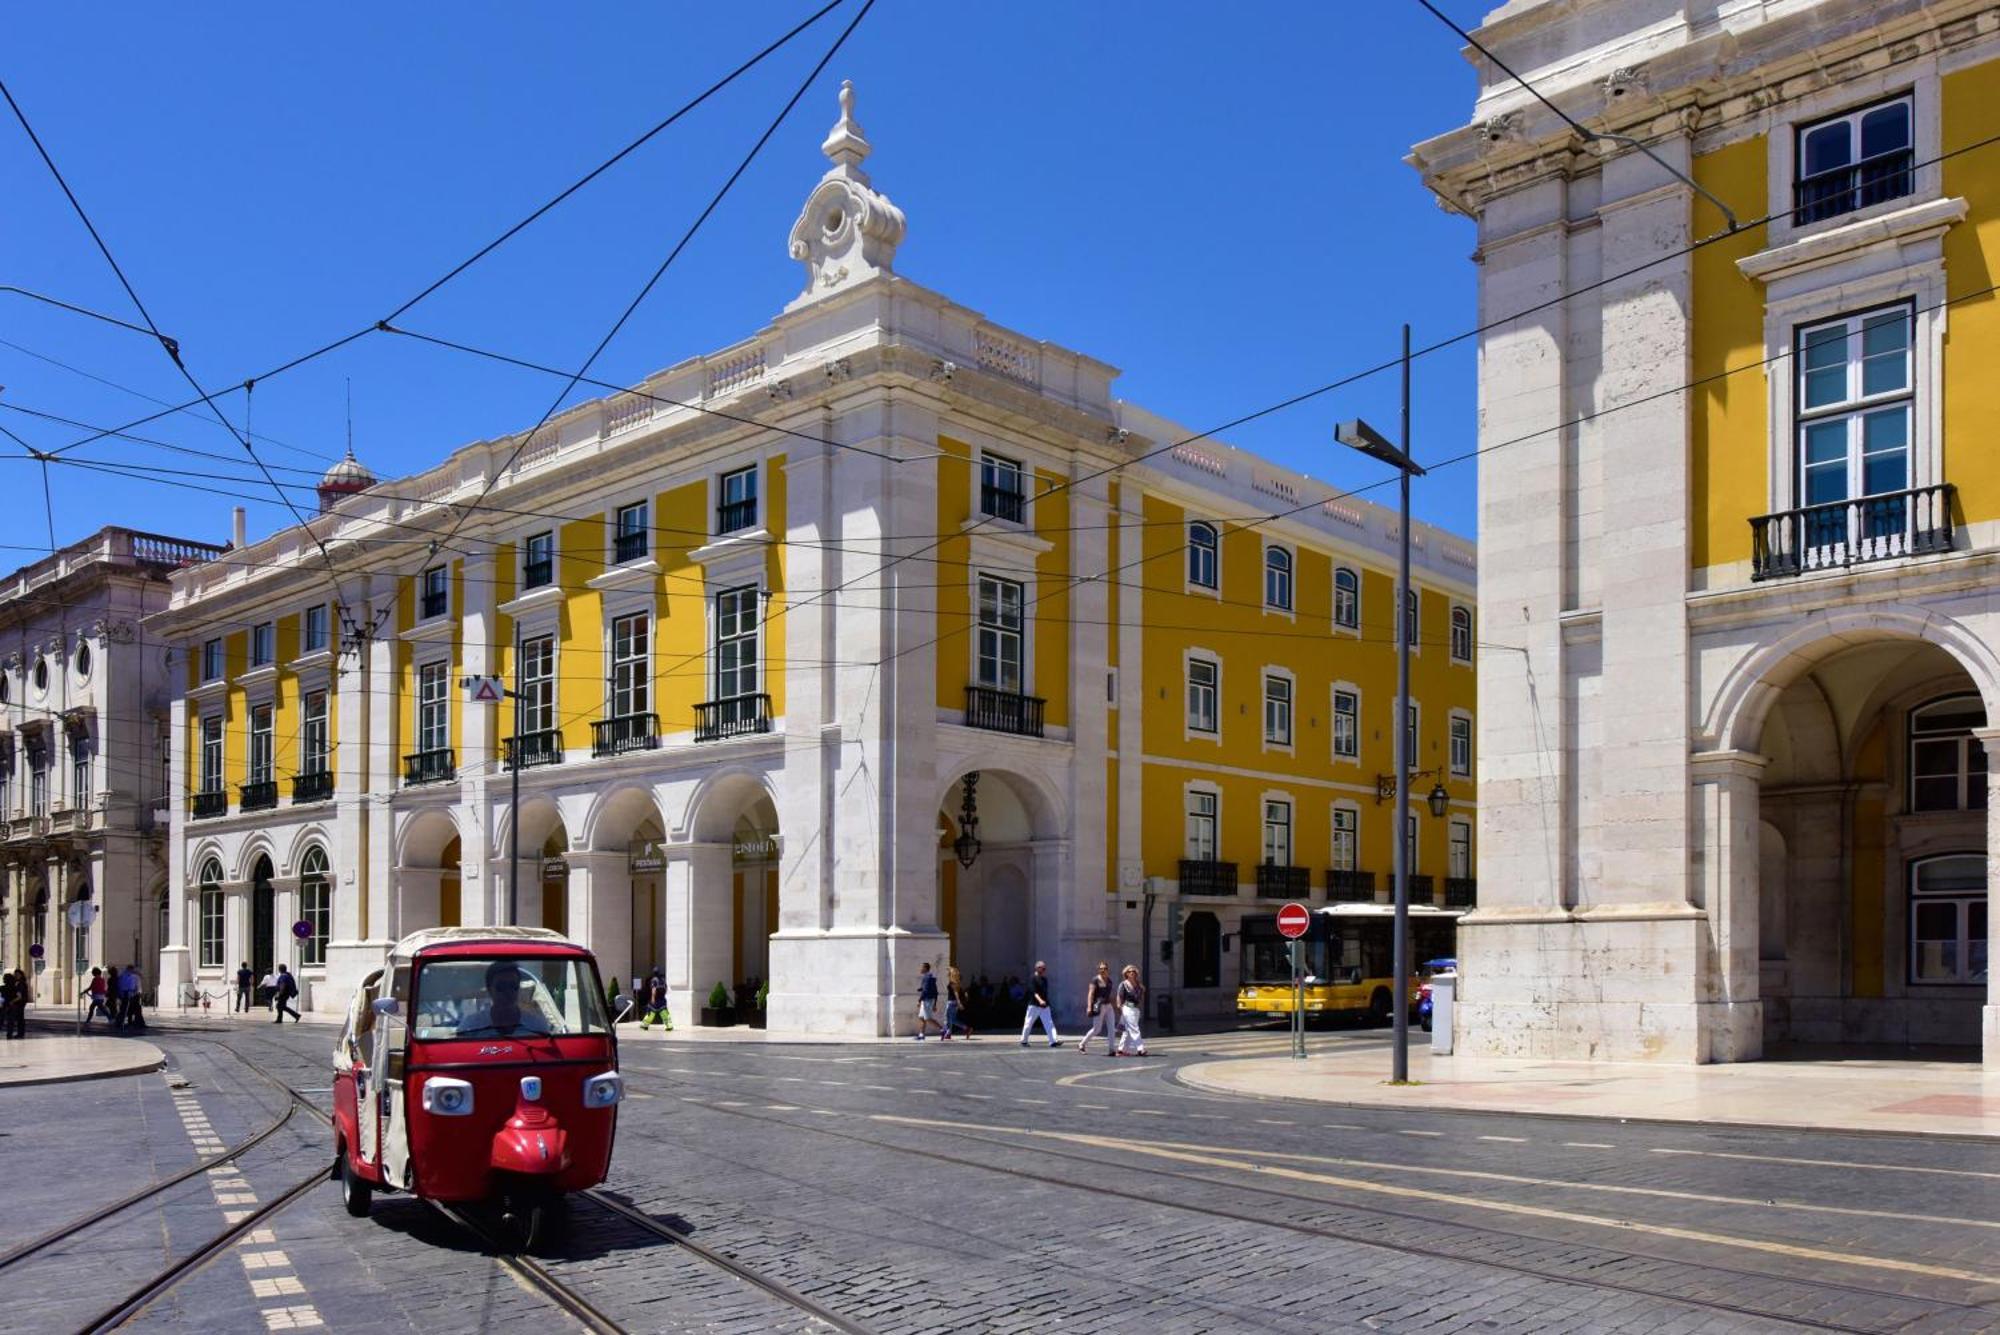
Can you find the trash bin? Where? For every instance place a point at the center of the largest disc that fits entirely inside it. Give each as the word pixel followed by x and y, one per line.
pixel 1163 1012
pixel 1444 990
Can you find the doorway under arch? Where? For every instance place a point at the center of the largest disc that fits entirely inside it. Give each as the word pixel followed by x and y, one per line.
pixel 263 918
pixel 997 889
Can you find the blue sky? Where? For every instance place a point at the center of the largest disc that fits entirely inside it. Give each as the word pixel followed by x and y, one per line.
pixel 1210 197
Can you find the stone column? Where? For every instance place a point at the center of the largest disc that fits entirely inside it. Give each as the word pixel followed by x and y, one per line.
pixel 414 902
pixel 482 726
pixel 1989 1019
pixel 358 771
pixel 57 948
pixel 1730 1017
pixel 1084 886
pixel 600 910
pixel 700 921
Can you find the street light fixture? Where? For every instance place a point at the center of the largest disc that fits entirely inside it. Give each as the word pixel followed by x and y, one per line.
pixel 1358 435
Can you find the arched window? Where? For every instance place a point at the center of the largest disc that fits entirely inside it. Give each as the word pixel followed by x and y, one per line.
pixel 1202 556
pixel 1278 578
pixel 1947 763
pixel 38 926
pixel 315 906
pixel 1346 599
pixel 1461 634
pixel 1948 919
pixel 1201 951
pixel 211 914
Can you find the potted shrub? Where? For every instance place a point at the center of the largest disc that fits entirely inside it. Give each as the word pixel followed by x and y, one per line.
pixel 755 1017
pixel 718 1013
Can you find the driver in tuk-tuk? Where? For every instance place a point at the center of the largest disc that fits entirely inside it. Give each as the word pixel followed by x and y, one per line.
pixel 503 1012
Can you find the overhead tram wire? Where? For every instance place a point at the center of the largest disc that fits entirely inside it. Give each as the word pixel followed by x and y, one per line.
pixel 715 202
pixel 373 327
pixel 80 310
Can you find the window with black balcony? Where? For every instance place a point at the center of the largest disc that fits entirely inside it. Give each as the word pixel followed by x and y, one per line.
pixel 1855 160
pixel 436 592
pixel 211 756
pixel 631 726
pixel 628 540
pixel 736 501
pixel 1003 492
pixel 538 561
pixel 539 742
pixel 738 707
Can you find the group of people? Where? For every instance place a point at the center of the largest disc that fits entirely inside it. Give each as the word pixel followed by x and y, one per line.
pixel 117 995
pixel 1115 1009
pixel 15 994
pixel 279 986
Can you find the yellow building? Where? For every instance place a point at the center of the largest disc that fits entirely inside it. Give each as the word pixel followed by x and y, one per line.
pixel 886 636
pixel 1738 527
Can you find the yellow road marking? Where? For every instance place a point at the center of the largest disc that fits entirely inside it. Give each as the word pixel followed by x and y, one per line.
pixel 1829 1163
pixel 1208 1160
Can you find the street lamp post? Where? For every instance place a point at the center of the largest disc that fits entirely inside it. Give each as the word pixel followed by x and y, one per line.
pixel 1359 435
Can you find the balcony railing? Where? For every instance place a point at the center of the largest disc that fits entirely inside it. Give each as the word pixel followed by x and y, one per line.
pixel 1003 711
pixel 317 787
pixel 629 732
pixel 534 748
pixel 1422 890
pixel 1894 524
pixel 537 574
pixel 435 604
pixel 1350 887
pixel 1275 882
pixel 1460 892
pixel 1844 189
pixel 1002 502
pixel 629 546
pixel 731 516
pixel 208 804
pixel 734 716
pixel 429 767
pixel 260 796
pixel 1207 878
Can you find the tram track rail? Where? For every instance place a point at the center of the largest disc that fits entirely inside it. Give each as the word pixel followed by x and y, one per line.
pixel 1930 1303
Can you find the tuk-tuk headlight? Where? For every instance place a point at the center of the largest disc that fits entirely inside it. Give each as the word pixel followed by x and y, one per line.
pixel 601 1091
pixel 447 1097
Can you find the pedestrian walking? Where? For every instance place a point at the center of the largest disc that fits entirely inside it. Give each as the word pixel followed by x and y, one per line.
pixel 1099 1003
pixel 655 1002
pixel 98 988
pixel 1131 1005
pixel 955 1003
pixel 246 984
pixel 10 996
pixel 282 993
pixel 24 993
pixel 1038 1006
pixel 267 990
pixel 131 1005
pixel 927 999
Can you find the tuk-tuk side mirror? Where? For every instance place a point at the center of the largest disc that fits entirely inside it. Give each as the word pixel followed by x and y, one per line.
pixel 388 1006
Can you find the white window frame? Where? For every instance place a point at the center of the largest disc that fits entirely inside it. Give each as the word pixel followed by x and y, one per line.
pixel 212 756
pixel 1352 625
pixel 423 593
pixel 263 644
pixel 1917 78
pixel 214 659
pixel 1412 841
pixel 539 682
pixel 306 645
pixel 1410 621
pixel 637 669
pixel 1189 657
pixel 616 528
pixel 1344 826
pixel 527 558
pixel 1971 778
pixel 1002 463
pixel 1458 856
pixel 1289 608
pixel 1212 588
pixel 1266 803
pixel 720 498
pixel 754 637
pixel 262 768
pixel 1349 689
pixel 1189 817
pixel 1000 633
pixel 211 915
pixel 433 713
pixel 1963 901
pixel 1288 706
pixel 309 748
pixel 1414 726
pixel 317 915
pixel 1462 615
pixel 1460 721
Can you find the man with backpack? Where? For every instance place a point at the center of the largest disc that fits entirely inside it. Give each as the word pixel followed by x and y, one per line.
pixel 131 1007
pixel 927 999
pixel 284 988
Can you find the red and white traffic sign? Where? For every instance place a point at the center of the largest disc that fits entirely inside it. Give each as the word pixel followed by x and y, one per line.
pixel 1293 921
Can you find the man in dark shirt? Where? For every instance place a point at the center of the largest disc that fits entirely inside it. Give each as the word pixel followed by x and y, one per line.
pixel 927 998
pixel 246 984
pixel 1038 1006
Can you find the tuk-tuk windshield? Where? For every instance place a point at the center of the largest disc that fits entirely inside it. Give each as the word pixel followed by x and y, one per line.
pixel 505 997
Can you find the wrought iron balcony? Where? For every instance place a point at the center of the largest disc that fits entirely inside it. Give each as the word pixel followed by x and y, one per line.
pixel 730 516
pixel 536 574
pixel 1275 882
pixel 534 748
pixel 734 716
pixel 259 796
pixel 435 603
pixel 1460 892
pixel 211 803
pixel 1894 524
pixel 1003 502
pixel 316 787
pixel 1350 887
pixel 1207 878
pixel 1829 194
pixel 1003 711
pixel 630 732
pixel 1422 890
pixel 429 767
pixel 629 546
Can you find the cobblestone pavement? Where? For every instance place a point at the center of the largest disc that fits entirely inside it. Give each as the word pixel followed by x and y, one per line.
pixel 978 1186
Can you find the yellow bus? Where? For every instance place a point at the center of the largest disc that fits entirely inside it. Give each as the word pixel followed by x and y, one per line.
pixel 1347 959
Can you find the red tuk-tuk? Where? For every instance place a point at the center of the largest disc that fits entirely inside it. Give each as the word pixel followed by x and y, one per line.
pixel 478 1067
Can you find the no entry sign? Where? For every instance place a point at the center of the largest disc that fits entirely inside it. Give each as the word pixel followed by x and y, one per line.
pixel 1293 921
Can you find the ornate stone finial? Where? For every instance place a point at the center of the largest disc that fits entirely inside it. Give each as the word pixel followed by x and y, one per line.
pixel 848 231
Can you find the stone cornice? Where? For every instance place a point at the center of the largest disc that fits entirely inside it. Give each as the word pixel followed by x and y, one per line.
pixel 1919 222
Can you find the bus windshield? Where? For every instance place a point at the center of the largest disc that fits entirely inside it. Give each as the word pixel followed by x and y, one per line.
pixel 1268 958
pixel 505 997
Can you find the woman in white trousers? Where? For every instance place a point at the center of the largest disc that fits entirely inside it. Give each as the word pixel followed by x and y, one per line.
pixel 1131 1005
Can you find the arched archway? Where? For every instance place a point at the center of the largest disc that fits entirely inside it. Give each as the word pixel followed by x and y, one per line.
pixel 721 891
pixel 620 887
pixel 263 917
pixel 998 889
pixel 427 873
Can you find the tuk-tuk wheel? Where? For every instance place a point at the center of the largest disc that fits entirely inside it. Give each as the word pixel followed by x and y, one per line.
pixel 355 1194
pixel 533 1220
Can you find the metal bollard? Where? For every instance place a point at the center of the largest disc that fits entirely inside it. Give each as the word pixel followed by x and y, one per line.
pixel 1444 990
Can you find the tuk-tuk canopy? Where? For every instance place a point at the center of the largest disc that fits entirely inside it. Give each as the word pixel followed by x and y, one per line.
pixel 500 937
